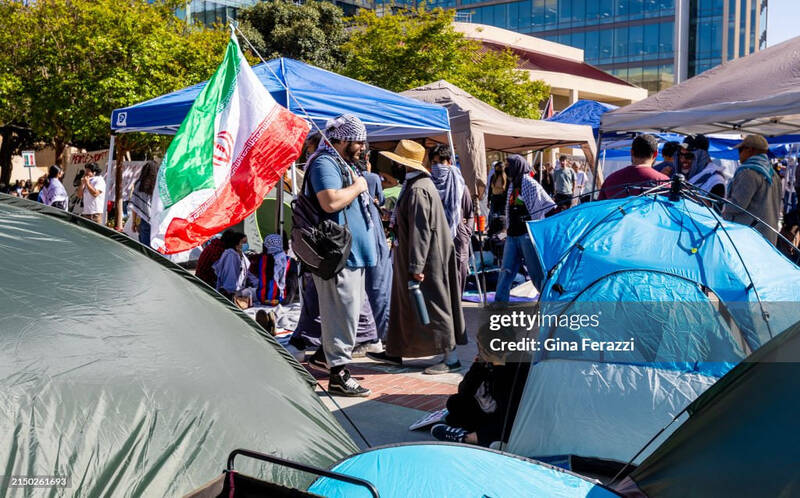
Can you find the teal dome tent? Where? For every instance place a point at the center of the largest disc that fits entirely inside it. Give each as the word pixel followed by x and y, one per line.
pixel 690 293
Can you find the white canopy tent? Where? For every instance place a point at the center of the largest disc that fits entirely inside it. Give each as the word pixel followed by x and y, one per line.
pixel 477 127
pixel 759 94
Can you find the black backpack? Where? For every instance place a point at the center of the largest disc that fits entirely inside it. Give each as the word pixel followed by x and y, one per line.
pixel 322 245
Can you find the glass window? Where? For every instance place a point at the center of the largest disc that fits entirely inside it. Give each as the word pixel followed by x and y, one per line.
pixel 513 16
pixel 621 43
pixel 665 39
pixel 564 38
pixel 636 41
pixel 538 13
pixel 564 11
pixel 667 6
pixel 621 9
pixel 635 75
pixel 605 9
pixel 651 8
pixel 635 8
pixel 593 10
pixel 550 11
pixel 650 79
pixel 525 15
pixel 579 11
pixel 651 48
pixel 592 47
pixel 578 40
pixel 666 74
pixel 606 46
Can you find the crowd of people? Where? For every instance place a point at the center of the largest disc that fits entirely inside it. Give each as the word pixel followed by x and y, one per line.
pixel 412 232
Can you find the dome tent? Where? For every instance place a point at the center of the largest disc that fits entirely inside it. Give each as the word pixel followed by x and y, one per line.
pixel 695 294
pixel 130 376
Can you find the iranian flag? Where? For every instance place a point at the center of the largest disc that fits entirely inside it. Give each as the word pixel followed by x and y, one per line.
pixel 231 149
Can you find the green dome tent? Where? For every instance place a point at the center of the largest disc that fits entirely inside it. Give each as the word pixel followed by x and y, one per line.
pixel 129 376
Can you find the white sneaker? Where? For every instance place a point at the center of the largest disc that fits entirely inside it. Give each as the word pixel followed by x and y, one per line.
pixel 361 350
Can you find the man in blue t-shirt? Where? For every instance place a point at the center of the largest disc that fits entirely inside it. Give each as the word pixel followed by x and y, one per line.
pixel 341 193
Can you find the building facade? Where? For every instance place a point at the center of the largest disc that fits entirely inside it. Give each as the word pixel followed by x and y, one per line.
pixel 211 12
pixel 650 43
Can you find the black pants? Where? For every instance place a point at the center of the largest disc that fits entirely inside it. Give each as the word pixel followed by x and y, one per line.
pixel 563 201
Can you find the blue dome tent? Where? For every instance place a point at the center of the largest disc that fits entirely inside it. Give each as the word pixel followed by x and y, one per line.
pixel 695 294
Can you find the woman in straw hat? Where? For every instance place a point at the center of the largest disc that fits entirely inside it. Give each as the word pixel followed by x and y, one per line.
pixel 424 254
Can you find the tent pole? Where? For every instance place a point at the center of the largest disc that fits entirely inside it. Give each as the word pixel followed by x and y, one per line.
pixel 597 164
pixel 279 207
pixel 294 180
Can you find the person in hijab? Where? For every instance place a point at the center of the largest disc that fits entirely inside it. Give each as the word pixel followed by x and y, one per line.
pixel 140 201
pixel 232 267
pixel 424 256
pixel 526 200
pixel 755 188
pixel 271 268
pixel 53 192
pixel 712 178
pixel 698 144
pixel 457 205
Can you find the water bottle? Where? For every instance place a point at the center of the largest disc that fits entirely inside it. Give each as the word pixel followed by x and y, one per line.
pixel 415 295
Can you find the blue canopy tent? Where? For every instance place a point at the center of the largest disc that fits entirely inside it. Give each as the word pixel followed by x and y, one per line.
pixel 312 93
pixel 315 93
pixel 694 295
pixel 585 112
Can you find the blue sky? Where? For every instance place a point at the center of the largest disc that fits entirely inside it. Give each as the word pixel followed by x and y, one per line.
pixel 783 20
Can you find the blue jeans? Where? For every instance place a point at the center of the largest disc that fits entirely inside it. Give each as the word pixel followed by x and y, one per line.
pixel 517 249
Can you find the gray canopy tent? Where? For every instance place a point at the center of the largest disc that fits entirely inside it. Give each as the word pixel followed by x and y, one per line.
pixel 478 127
pixel 759 93
pixel 131 376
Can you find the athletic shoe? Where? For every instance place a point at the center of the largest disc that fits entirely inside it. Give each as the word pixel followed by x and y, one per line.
pixel 443 368
pixel 317 361
pixel 361 350
pixel 343 384
pixel 444 432
pixel 384 358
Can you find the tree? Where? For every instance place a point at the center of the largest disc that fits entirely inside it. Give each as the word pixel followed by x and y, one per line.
pixel 312 32
pixel 418 46
pixel 74 61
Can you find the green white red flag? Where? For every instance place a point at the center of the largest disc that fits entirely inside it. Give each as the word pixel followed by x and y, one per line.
pixel 231 149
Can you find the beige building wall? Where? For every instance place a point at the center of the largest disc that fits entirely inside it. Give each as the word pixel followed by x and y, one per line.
pixel 566 88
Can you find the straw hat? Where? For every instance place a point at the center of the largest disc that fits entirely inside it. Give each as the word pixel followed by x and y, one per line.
pixel 408 153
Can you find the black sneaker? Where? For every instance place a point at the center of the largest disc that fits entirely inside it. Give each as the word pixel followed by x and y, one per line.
pixel 443 368
pixel 343 384
pixel 444 432
pixel 317 361
pixel 385 358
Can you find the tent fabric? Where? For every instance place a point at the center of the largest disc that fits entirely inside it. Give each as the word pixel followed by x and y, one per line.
pixel 126 373
pixel 584 112
pixel 478 127
pixel 759 93
pixel 435 469
pixel 315 92
pixel 669 276
pixel 741 438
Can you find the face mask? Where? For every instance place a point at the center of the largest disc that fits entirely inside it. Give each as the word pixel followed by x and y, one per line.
pixel 245 247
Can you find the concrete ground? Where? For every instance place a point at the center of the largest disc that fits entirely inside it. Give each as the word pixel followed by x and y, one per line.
pixel 400 396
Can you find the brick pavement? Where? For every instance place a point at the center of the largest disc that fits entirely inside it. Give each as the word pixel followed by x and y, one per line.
pixel 394 386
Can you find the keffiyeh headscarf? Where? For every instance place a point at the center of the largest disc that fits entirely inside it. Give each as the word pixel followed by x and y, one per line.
pixel 347 128
pixel 273 245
